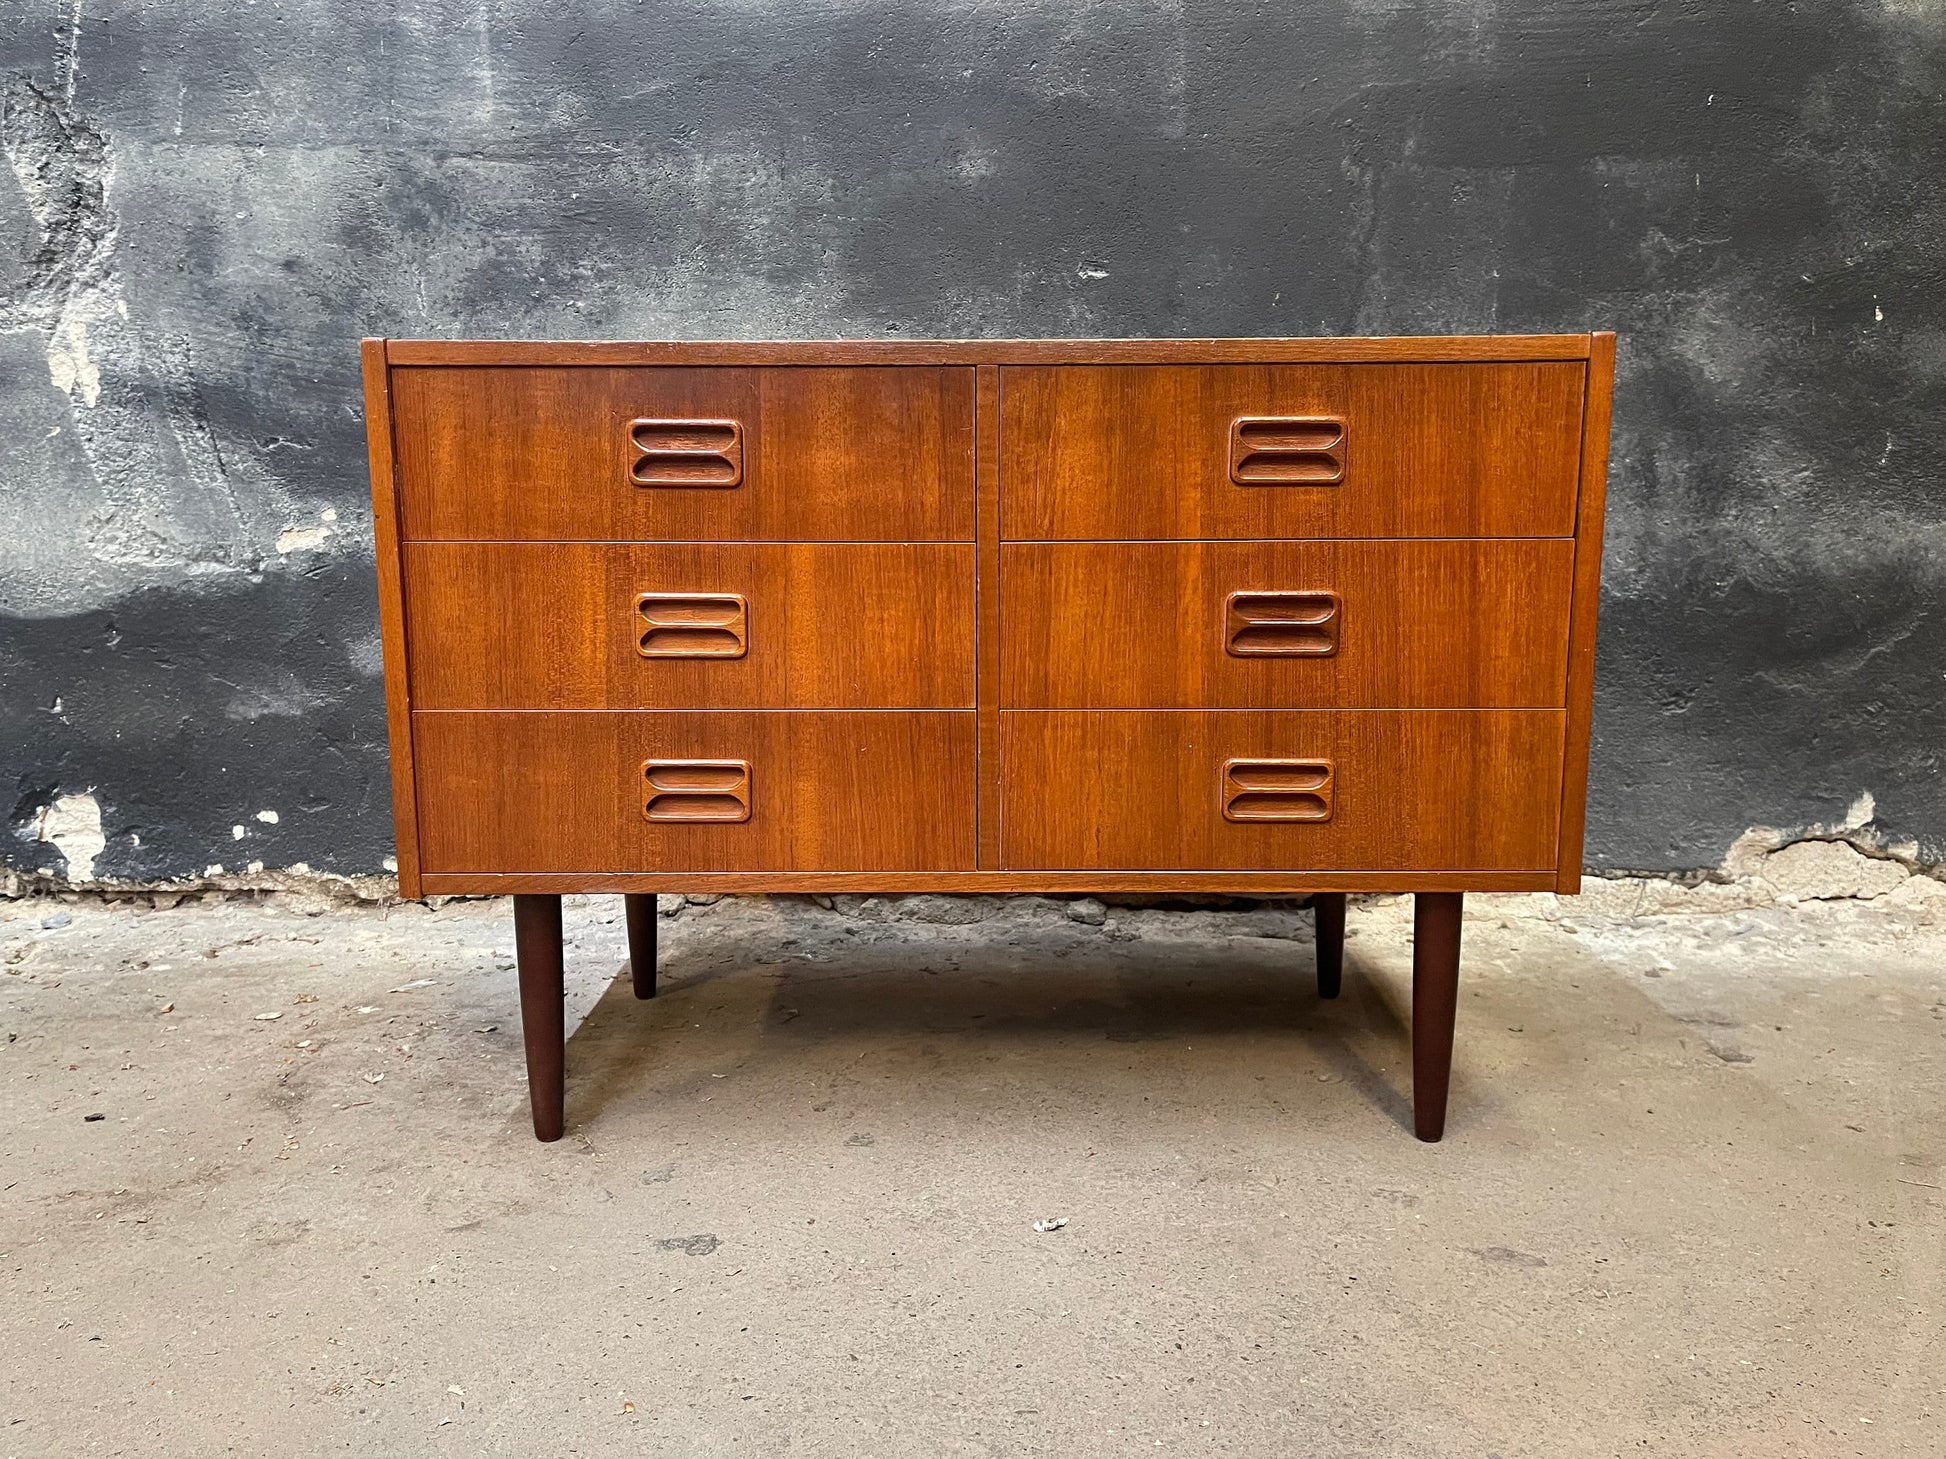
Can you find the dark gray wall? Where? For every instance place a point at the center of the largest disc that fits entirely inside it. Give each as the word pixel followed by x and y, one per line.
pixel 213 202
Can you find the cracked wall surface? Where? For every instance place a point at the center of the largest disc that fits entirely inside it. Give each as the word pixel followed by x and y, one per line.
pixel 206 206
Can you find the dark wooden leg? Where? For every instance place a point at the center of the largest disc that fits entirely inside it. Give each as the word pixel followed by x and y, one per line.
pixel 1435 999
pixel 640 908
pixel 1329 909
pixel 537 948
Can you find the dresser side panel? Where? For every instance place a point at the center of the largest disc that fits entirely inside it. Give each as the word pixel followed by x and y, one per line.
pixel 391 610
pixel 1590 512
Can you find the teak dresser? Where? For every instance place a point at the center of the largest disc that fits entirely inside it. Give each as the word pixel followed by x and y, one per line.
pixel 1251 616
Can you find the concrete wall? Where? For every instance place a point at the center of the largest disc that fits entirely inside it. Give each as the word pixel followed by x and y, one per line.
pixel 209 204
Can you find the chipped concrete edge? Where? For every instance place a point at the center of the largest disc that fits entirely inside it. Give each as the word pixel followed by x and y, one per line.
pixel 301 884
pixel 1765 867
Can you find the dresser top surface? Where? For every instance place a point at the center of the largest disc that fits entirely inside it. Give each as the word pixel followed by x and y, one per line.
pixel 1403 350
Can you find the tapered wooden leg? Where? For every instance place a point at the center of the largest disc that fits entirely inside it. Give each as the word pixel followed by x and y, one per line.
pixel 537 948
pixel 1329 909
pixel 640 908
pixel 1435 999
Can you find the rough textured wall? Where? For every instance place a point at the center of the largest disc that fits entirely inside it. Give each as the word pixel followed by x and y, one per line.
pixel 209 204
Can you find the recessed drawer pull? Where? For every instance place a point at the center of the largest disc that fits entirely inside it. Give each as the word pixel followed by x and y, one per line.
pixel 697 790
pixel 693 625
pixel 1276 790
pixel 1282 625
pixel 1296 450
pixel 686 452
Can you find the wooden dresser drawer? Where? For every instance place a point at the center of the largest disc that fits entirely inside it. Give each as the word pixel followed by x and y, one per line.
pixel 797 453
pixel 701 792
pixel 1235 790
pixel 1425 624
pixel 1242 451
pixel 565 625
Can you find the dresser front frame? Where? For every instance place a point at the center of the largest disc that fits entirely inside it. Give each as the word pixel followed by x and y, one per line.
pixel 1595 351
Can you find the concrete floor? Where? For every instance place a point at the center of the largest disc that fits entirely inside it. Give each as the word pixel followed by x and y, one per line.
pixel 269 1188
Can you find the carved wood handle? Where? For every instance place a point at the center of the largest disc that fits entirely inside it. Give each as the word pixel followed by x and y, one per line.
pixel 693 625
pixel 1287 450
pixel 697 790
pixel 686 452
pixel 1282 625
pixel 1276 790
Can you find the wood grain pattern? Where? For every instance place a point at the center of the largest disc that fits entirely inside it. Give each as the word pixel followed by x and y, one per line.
pixel 987 493
pixel 1424 624
pixel 976 883
pixel 1477 450
pixel 1587 606
pixel 1425 789
pixel 984 351
pixel 553 625
pixel 830 790
pixel 840 454
pixel 391 612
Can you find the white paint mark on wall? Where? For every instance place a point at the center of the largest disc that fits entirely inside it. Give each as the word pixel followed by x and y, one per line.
pixel 1862 811
pixel 281 693
pixel 1091 271
pixel 239 832
pixel 72 825
pixel 302 539
pixel 974 161
pixel 68 67
pixel 269 818
pixel 367 656
pixel 68 364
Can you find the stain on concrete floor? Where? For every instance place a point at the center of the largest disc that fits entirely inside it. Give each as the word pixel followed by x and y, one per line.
pixel 1690 1203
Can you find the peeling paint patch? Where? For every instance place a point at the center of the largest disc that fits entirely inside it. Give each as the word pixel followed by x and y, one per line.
pixel 71 824
pixel 269 818
pixel 1829 870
